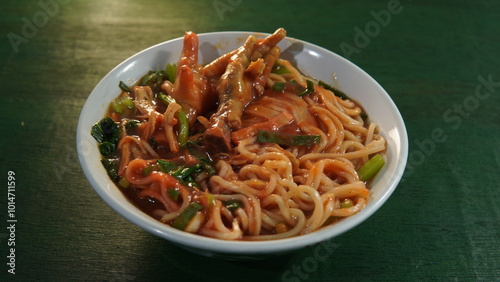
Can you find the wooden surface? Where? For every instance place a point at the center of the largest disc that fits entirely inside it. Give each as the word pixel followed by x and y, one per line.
pixel 439 61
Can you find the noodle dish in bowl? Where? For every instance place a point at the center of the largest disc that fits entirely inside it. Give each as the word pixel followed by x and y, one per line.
pixel 241 145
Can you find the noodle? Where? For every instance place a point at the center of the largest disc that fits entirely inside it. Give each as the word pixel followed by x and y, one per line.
pixel 222 180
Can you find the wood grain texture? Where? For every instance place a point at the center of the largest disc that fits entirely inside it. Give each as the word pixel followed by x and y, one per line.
pixel 442 222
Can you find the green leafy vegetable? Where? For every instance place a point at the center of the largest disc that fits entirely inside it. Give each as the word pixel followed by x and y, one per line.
pixel 153 77
pixel 107 134
pixel 122 104
pixel 171 71
pixel 371 167
pixel 280 69
pixel 287 139
pixel 335 91
pixel 309 89
pixel 152 141
pixel 97 133
pixel 123 182
pixel 363 116
pixel 111 166
pixel 185 173
pixel 194 148
pixel 165 99
pixel 165 166
pixel 232 205
pixel 181 117
pixel 187 214
pixel 106 148
pixel 173 194
pixel 207 164
pixel 123 86
pixel 279 86
pixel 132 123
pixel 346 203
pixel 149 169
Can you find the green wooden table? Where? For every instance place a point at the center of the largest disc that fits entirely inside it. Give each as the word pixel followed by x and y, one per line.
pixel 439 61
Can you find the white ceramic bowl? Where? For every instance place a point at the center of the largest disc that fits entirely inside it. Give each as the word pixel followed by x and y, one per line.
pixel 310 59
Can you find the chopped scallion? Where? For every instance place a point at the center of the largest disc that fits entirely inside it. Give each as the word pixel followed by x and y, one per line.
pixel 171 72
pixel 287 139
pixel 346 203
pixel 309 89
pixel 173 194
pixel 165 166
pixel 280 69
pixel 123 86
pixel 106 148
pixel 111 166
pixel 122 104
pixel 165 99
pixel 335 91
pixel 149 169
pixel 123 182
pixel 371 167
pixel 279 86
pixel 187 214
pixel 232 205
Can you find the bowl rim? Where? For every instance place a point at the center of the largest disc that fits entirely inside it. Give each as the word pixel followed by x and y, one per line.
pixel 202 243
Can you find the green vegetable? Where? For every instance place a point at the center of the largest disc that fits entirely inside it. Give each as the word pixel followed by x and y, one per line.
pixel 173 194
pixel 183 127
pixel 371 167
pixel 153 77
pixel 185 173
pixel 149 169
pixel 287 139
pixel 187 214
pixel 123 86
pixel 131 126
pixel 194 148
pixel 335 91
pixel 171 72
pixel 280 69
pixel 165 166
pixel 232 205
pixel 294 87
pixel 110 129
pixel 210 199
pixel 97 133
pixel 165 99
pixel 107 133
pixel 121 104
pixel 152 141
pixel 123 182
pixel 363 116
pixel 106 148
pixel 278 86
pixel 207 165
pixel 309 89
pixel 181 117
pixel 346 203
pixel 111 166
pixel 132 123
